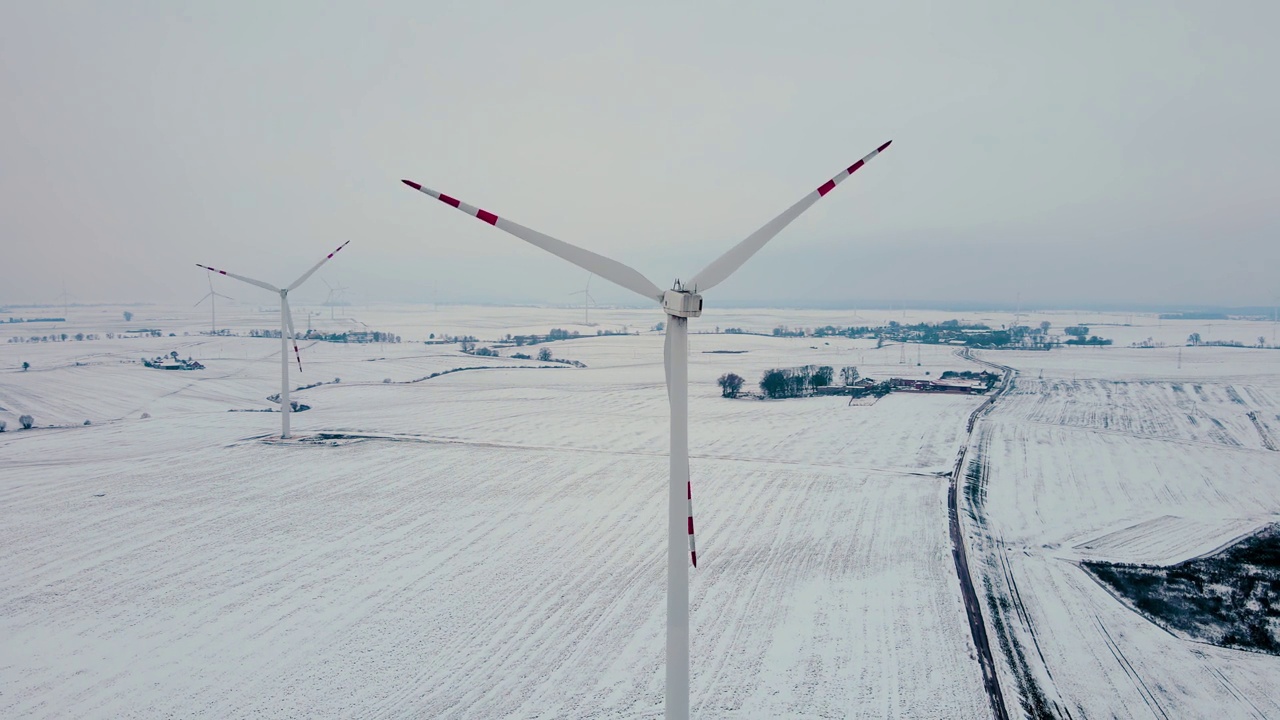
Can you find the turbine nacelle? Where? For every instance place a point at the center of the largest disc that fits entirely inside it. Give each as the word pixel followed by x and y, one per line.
pixel 682 303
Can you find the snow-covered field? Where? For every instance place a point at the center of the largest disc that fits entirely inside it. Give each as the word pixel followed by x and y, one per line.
pixel 1120 455
pixel 490 543
pixel 485 543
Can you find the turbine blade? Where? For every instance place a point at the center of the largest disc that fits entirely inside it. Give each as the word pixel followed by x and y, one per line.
pixel 293 334
pixel 201 300
pixel 606 268
pixel 241 278
pixel 725 265
pixel 308 273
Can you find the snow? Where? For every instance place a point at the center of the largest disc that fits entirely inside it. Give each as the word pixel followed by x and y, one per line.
pixel 1119 455
pixel 487 543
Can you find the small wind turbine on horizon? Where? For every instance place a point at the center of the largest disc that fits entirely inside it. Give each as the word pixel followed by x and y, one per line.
pixel 334 296
pixel 680 303
pixel 286 329
pixel 587 300
pixel 212 296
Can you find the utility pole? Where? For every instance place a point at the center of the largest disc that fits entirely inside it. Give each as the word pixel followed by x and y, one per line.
pixel 66 299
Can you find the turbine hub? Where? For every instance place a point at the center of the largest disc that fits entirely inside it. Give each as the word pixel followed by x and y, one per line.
pixel 682 303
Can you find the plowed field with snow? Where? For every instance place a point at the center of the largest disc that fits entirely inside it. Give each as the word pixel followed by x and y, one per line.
pixel 1093 460
pixel 487 543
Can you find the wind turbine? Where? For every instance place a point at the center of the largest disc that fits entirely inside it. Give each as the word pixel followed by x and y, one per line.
pixel 212 296
pixel 286 329
pixel 586 300
pixel 335 295
pixel 680 303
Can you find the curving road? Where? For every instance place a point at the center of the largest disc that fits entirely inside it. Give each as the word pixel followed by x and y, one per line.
pixel 973 610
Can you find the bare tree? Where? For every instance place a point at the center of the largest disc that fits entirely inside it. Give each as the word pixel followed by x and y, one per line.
pixel 26 421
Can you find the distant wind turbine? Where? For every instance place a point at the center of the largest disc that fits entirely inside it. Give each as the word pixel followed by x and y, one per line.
pixel 587 300
pixel 335 293
pixel 680 303
pixel 286 329
pixel 212 296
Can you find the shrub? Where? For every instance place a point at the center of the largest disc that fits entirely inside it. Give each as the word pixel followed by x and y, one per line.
pixel 26 421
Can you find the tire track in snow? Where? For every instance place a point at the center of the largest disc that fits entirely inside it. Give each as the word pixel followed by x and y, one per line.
pixel 1138 682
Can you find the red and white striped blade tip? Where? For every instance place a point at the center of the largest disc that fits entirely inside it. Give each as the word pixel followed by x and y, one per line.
pixel 882 147
pixel 412 184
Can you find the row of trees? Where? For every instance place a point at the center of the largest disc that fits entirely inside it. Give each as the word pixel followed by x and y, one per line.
pixel 946 332
pixel 26 421
pixel 557 334
pixel 789 382
pixel 795 382
pixel 544 355
pixel 61 337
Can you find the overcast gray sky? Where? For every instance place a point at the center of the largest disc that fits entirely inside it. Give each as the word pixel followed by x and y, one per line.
pixel 1075 153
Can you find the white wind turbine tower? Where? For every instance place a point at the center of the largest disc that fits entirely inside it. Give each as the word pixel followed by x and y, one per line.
pixel 680 303
pixel 212 297
pixel 286 329
pixel 587 300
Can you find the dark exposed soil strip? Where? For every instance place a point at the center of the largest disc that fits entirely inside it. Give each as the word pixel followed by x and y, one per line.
pixel 1267 442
